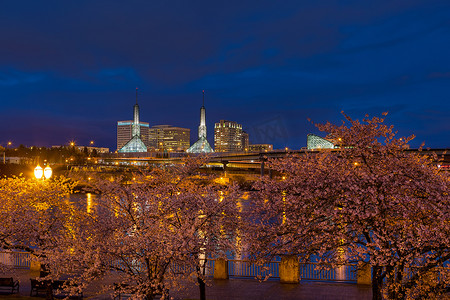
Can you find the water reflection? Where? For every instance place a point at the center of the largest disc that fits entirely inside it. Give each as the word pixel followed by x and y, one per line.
pixel 240 253
pixel 89 203
pixel 84 201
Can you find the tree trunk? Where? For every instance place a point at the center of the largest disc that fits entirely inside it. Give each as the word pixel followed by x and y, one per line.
pixel 44 271
pixel 390 279
pixel 377 283
pixel 399 279
pixel 202 287
pixel 49 290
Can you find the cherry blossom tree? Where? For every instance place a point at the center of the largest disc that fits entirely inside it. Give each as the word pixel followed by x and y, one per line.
pixel 152 228
pixel 35 215
pixel 370 201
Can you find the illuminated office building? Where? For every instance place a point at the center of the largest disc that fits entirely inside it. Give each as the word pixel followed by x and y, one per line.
pixel 124 133
pixel 245 141
pixel 169 138
pixel 201 145
pixel 129 138
pixel 229 137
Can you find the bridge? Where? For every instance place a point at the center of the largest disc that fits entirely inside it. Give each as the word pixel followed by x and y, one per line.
pixel 244 162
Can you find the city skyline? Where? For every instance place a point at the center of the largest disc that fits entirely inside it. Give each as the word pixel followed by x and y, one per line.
pixel 68 70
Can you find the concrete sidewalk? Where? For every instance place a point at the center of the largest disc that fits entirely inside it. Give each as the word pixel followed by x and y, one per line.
pixel 229 289
pixel 252 289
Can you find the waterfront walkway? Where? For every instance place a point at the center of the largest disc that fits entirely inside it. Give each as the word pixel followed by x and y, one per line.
pixel 231 289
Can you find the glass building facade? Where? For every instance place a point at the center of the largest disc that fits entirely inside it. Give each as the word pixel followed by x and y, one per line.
pixel 316 142
pixel 201 145
pixel 134 145
pixel 133 131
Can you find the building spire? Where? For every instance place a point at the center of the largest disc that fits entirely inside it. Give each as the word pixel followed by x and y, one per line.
pixel 202 127
pixel 201 145
pixel 136 94
pixel 136 131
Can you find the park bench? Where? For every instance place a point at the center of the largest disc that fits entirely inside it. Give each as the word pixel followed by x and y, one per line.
pixel 9 285
pixel 39 287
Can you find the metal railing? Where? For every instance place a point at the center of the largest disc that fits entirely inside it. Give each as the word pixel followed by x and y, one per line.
pixel 315 271
pixel 183 268
pixel 308 271
pixel 236 268
pixel 242 268
pixel 175 267
pixel 16 259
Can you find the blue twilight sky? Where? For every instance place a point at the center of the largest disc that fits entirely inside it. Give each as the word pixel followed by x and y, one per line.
pixel 69 69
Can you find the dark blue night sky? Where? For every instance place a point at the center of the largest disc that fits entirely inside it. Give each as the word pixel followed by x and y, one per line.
pixel 69 69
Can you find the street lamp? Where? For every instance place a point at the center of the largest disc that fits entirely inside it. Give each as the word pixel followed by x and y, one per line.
pixel 48 172
pixel 40 173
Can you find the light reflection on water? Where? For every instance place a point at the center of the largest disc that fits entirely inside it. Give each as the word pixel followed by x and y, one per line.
pixel 87 201
pixel 84 201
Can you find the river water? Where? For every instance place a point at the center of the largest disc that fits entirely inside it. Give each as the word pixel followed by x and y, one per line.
pixel 88 202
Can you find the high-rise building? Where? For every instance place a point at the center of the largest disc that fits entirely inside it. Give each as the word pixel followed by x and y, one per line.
pixel 132 131
pixel 228 137
pixel 201 145
pixel 169 138
pixel 245 141
pixel 124 129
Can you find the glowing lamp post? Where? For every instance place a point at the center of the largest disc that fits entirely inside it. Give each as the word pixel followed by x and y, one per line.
pixel 48 172
pixel 40 173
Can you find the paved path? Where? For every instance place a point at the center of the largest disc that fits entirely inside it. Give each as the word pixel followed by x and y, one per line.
pixel 252 289
pixel 238 289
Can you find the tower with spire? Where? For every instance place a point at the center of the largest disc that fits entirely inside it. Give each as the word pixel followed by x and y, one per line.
pixel 201 145
pixel 135 144
pixel 202 126
pixel 136 130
